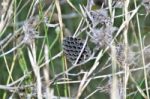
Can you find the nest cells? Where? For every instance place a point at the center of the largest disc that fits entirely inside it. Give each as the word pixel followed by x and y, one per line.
pixel 73 47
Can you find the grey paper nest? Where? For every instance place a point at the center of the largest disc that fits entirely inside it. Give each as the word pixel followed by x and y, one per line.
pixel 73 47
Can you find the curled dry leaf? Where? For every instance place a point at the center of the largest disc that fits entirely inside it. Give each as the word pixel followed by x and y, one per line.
pixel 29 31
pixel 99 17
pixel 103 37
pixel 146 4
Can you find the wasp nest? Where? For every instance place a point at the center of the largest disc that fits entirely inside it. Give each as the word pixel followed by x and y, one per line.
pixel 73 47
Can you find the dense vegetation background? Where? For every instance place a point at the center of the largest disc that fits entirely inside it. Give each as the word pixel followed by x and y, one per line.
pixel 75 49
